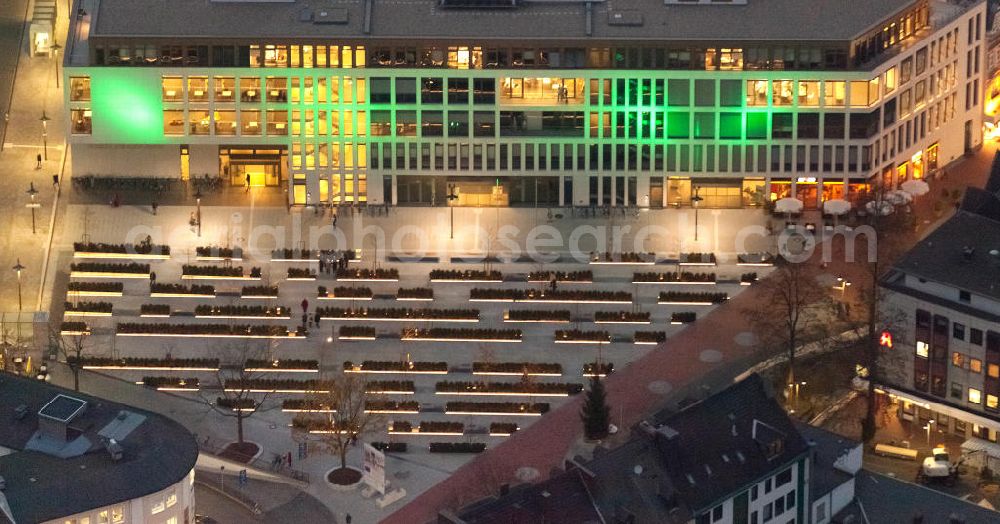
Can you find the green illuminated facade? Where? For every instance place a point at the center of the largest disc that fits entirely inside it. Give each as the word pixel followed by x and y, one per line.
pixel 563 122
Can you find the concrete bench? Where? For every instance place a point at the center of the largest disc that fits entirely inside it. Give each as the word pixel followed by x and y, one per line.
pixel 895 451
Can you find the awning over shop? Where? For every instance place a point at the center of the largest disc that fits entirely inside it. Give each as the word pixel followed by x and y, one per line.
pixel 944 409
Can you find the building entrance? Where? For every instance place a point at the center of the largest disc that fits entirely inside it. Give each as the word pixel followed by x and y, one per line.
pixel 263 167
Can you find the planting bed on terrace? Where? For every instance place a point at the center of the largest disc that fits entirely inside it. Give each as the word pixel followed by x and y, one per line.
pixel 256 312
pixel 356 333
pixel 107 270
pixel 683 317
pixel 590 368
pixel 467 275
pixel 502 429
pixel 390 447
pixel 682 277
pixel 530 315
pixel 363 274
pixel 88 308
pixel 216 253
pixel 192 271
pixel 456 447
pixel 625 258
pixel 497 408
pixel 259 292
pixel 100 250
pixel 748 278
pixel 154 310
pixel 399 314
pixel 622 317
pixel 576 336
pixel 181 290
pixel 539 369
pixel 171 383
pixel 298 405
pixel 558 296
pixel 567 277
pixel 415 293
pixel 293 255
pixel 402 427
pixel 344 293
pixel 241 404
pixel 388 387
pixel 275 385
pixel 557 389
pixel 649 337
pixel 297 273
pixel 149 364
pixel 74 328
pixel 95 289
pixel 461 335
pixel 697 259
pixel 396 366
pixel 204 330
pixel 286 365
pixel 691 299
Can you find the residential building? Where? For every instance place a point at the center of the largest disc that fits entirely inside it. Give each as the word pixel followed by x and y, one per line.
pixel 735 457
pixel 69 458
pixel 520 102
pixel 942 307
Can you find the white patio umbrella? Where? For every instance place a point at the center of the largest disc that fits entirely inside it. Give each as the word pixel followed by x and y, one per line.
pixel 884 207
pixel 915 187
pixel 788 205
pixel 898 197
pixel 836 207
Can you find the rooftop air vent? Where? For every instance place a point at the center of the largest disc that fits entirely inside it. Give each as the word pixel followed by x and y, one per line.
pixel 20 411
pixel 333 15
pixel 115 449
pixel 968 252
pixel 629 18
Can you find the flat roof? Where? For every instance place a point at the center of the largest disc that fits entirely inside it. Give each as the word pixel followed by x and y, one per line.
pixel 763 20
pixel 157 452
pixel 62 408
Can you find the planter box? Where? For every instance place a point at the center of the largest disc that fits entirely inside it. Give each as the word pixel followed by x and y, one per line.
pixel 70 313
pixel 282 370
pixel 624 259
pixel 120 256
pixel 200 258
pixel 649 338
pixel 359 337
pixel 148 368
pixel 582 337
pixel 199 335
pixel 217 277
pixel 103 274
pixel 697 259
pixel 516 369
pixel 755 259
pixel 94 293
pixel 379 368
pixel 624 317
pixel 180 295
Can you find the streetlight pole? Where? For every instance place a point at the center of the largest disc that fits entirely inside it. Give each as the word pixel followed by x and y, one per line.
pixel 18 268
pixel 45 135
pixel 55 53
pixel 32 205
pixel 451 198
pixel 197 199
pixel 695 200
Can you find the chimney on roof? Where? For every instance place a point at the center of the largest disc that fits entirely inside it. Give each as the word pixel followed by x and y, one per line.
pixel 968 252
pixel 115 449
pixel 732 422
pixel 955 518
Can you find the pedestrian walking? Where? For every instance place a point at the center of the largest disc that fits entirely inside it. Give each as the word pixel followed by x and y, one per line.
pixel 152 277
pixel 334 219
pixel 316 318
pixel 55 181
pixel 305 320
pixel 347 518
pixel 289 459
pixel 248 183
pixel 322 265
pixel 38 158
pixel 154 205
pixel 305 305
pixel 116 200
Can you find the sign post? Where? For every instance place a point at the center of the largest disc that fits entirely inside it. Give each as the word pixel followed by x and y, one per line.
pixel 374 468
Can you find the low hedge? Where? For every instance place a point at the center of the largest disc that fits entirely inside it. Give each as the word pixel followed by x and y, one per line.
pixel 548 295
pixel 368 274
pixel 748 278
pixel 346 292
pixel 415 292
pixel 398 313
pixel 397 365
pixel 457 447
pixel 182 289
pixel 201 329
pixel 755 258
pixel 154 309
pixel 96 287
pixel 207 310
pixel 686 296
pixel 103 267
pixel 259 291
pixel 697 258
pixel 588 336
pixel 392 405
pixel 220 252
pixel 356 331
pixel 280 364
pixel 170 382
pixel 218 271
pixel 621 316
pixel 467 274
pixel 428 426
pixel 141 248
pixel 376 386
pixel 627 256
pixel 673 276
pixel 561 276
pixel 390 447
pixel 300 404
pixel 503 428
pixel 293 254
pixel 650 336
pixel 275 383
pixel 539 315
pixel 497 407
pixel 684 317
pixel 235 403
pixel 89 307
pixel 516 367
pixel 144 362
pixel 605 368
pixel 74 327
pixel 460 333
pixel 299 272
pixel 507 387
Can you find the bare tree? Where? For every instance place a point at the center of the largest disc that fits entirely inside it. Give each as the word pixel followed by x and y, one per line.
pixel 339 415
pixel 793 307
pixel 72 349
pixel 235 377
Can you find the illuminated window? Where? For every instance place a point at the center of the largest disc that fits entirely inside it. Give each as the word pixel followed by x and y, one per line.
pixel 81 119
pixel 224 87
pixel 173 89
pixel 757 92
pixel 993 370
pixel 117 514
pixel 890 80
pixel 809 94
pixel 975 396
pixel 158 507
pixel 923 349
pixel 199 122
pixel 250 122
pixel 976 365
pixel 834 93
pixel 992 402
pixel 859 94
pixel 171 499
pixel 79 88
pixel 225 122
pixel 250 89
pixel 957 359
pixel 277 123
pixel 782 95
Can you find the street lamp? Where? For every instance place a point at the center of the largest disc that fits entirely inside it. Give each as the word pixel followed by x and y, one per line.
pixel 451 198
pixel 842 285
pixel 197 199
pixel 18 268
pixel 927 426
pixel 32 205
pixel 695 200
pixel 55 54
pixel 45 135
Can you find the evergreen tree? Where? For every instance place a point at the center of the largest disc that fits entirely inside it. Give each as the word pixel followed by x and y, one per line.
pixel 596 415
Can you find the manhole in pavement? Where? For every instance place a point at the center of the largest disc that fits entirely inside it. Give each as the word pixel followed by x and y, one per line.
pixel 710 355
pixel 745 339
pixel 526 474
pixel 660 387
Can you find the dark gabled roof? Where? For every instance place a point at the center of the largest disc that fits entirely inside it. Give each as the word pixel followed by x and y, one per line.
pixel 827 448
pixel 563 498
pixel 886 499
pixel 720 445
pixel 157 453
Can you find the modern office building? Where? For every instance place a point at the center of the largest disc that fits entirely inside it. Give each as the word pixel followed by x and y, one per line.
pixel 943 308
pixel 69 458
pixel 518 102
